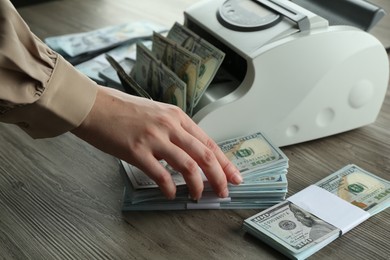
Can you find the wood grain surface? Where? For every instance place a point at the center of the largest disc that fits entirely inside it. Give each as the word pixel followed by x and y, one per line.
pixel 60 198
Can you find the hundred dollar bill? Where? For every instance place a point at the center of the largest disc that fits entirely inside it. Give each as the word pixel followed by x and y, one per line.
pixel 157 79
pixel 139 180
pixel 253 153
pixel 130 85
pixel 291 229
pixel 53 43
pixel 110 75
pixel 79 43
pixel 261 182
pixel 298 233
pixel 359 187
pixel 91 68
pixel 181 61
pixel 211 56
pixel 94 67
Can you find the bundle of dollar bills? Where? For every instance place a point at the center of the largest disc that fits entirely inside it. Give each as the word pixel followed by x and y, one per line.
pixel 319 214
pixel 263 167
pixel 178 68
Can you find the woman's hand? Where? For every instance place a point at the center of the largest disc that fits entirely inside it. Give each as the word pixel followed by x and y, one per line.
pixel 142 132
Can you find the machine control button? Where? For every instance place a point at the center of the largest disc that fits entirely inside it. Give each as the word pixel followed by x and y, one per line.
pixel 325 117
pixel 361 94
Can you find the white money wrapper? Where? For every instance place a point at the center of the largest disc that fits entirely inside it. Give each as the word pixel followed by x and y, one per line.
pixel 329 207
pixel 203 205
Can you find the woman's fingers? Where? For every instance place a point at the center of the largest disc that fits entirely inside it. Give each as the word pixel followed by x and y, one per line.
pixel 142 132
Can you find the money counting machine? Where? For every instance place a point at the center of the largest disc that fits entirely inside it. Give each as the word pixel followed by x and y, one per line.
pixel 295 70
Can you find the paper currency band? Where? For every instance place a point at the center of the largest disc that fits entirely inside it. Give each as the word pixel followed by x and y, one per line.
pixel 329 207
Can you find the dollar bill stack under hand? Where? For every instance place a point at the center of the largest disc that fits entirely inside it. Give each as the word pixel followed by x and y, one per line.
pixel 263 167
pixel 319 214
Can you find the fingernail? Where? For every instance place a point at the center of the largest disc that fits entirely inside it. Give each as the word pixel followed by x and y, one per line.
pixel 224 193
pixel 195 198
pixel 171 196
pixel 237 179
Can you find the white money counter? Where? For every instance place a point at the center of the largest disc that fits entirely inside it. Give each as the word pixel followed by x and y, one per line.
pixel 290 72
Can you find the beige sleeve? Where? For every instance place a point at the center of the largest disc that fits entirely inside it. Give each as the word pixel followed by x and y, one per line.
pixel 39 90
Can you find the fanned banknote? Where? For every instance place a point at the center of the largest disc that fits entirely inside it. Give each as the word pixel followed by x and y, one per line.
pixel 253 153
pixel 184 63
pixel 211 56
pixel 110 75
pixel 298 233
pixel 104 38
pixel 127 81
pixel 158 80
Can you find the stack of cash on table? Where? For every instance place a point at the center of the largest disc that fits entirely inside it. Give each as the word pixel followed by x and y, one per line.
pixel 319 214
pixel 263 167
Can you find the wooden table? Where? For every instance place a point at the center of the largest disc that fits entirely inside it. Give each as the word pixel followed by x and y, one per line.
pixel 60 198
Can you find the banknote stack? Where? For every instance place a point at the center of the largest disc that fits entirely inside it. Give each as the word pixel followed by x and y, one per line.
pixel 263 167
pixel 178 68
pixel 319 214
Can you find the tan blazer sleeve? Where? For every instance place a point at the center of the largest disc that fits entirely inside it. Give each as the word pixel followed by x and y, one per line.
pixel 39 90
